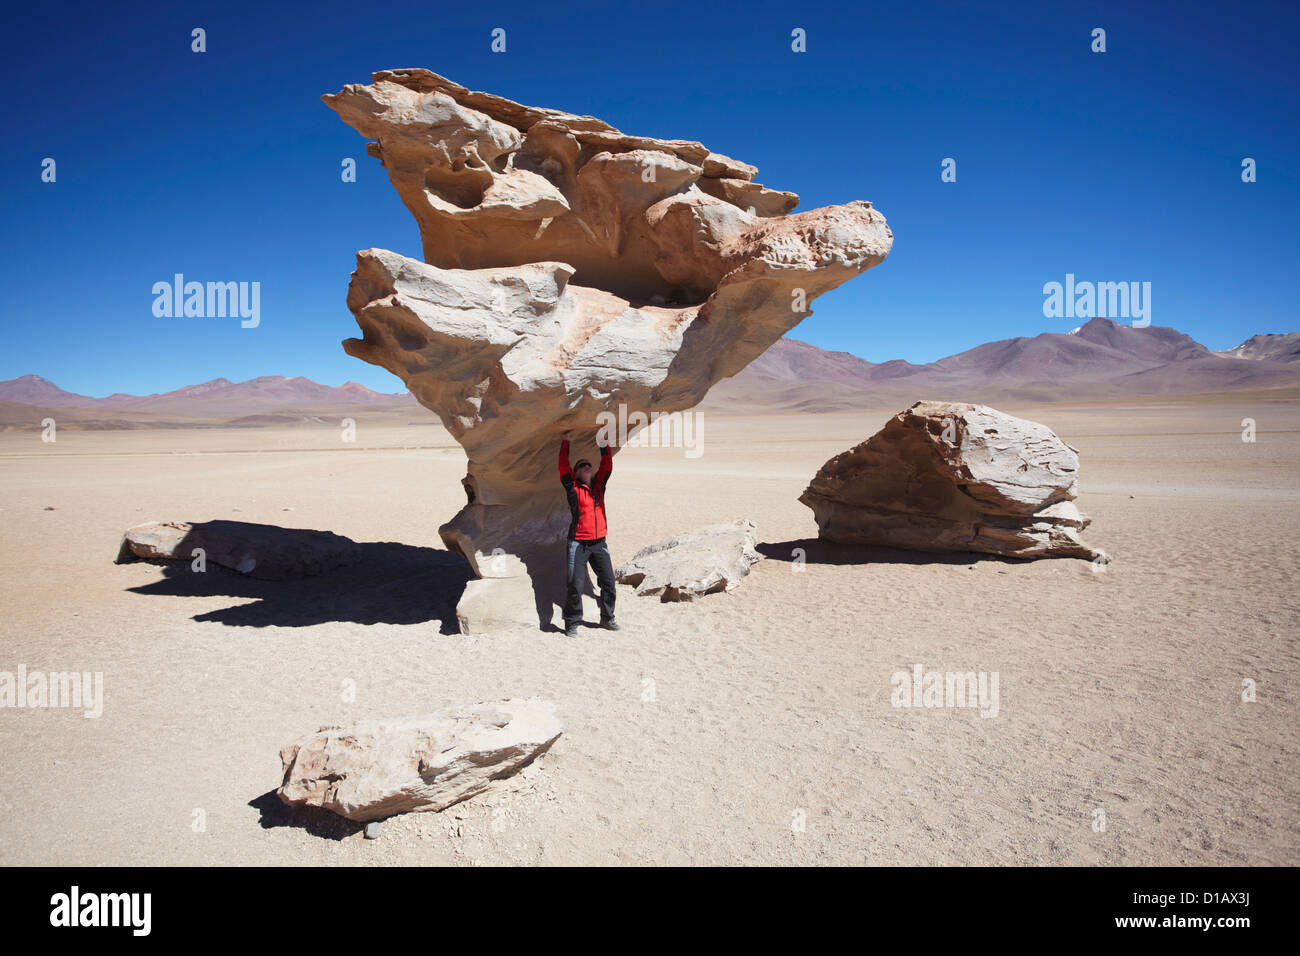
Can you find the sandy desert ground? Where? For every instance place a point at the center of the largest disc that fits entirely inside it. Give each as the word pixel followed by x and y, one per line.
pixel 700 732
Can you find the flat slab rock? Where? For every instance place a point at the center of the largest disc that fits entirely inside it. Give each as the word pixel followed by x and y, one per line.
pixel 687 566
pixel 946 476
pixel 375 769
pixel 257 550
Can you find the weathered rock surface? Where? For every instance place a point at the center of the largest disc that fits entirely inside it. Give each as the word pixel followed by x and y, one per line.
pixel 491 604
pixel 690 565
pixel 377 768
pixel 569 269
pixel 944 476
pixel 257 550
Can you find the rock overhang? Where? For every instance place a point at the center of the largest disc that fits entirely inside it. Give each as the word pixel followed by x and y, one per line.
pixel 493 183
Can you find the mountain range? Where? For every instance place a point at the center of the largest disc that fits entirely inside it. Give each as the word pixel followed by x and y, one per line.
pixel 1099 361
pixel 267 400
pixel 219 395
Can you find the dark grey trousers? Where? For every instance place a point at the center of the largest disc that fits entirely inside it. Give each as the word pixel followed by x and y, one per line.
pixel 595 553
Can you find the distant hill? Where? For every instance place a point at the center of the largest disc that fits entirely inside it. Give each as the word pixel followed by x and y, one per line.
pixel 1278 348
pixel 790 360
pixel 269 392
pixel 34 390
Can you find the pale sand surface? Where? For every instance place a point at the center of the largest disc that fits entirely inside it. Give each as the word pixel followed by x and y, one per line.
pixel 1119 690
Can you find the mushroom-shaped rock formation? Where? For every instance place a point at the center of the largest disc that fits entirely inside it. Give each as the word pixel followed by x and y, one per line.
pixel 569 269
pixel 944 476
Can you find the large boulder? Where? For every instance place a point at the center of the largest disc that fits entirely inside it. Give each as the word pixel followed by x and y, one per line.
pixel 261 551
pixel 687 566
pixel 569 270
pixel 944 476
pixel 377 768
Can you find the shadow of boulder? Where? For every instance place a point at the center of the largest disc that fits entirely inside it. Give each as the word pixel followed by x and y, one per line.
pixel 265 551
pixel 817 551
pixel 319 822
pixel 390 583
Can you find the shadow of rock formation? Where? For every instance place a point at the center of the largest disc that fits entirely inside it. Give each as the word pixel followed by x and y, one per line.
pixel 391 583
pixel 817 551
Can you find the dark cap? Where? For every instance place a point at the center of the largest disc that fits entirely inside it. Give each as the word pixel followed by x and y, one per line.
pixel 581 462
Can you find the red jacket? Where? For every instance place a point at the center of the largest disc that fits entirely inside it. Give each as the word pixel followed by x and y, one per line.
pixel 586 502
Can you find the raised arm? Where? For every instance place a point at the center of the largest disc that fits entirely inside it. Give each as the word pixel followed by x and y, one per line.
pixel 606 466
pixel 565 470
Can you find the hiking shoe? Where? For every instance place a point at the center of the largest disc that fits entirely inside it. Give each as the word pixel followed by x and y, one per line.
pixel 610 625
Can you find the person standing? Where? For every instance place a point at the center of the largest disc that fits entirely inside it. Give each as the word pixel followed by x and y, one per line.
pixel 586 541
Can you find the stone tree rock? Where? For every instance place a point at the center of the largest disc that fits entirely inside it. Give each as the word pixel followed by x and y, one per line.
pixel 943 476
pixel 687 566
pixel 570 269
pixel 378 768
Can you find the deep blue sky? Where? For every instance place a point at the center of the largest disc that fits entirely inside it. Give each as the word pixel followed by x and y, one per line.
pixel 225 165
